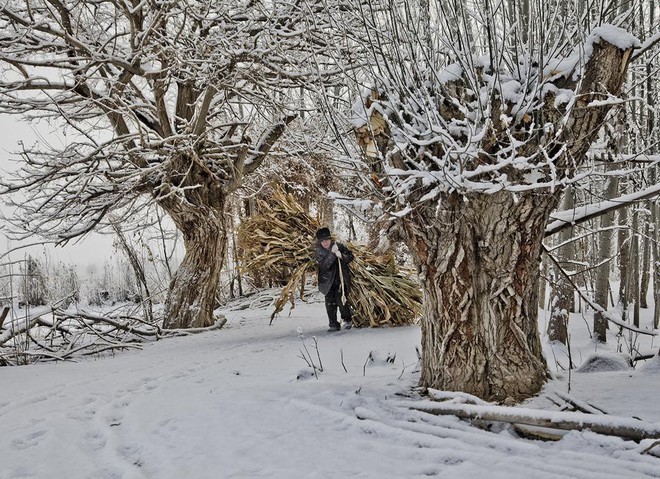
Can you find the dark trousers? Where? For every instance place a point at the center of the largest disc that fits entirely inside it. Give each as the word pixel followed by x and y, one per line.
pixel 332 302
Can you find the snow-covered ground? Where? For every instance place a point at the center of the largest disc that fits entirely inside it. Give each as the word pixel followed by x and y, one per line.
pixel 241 403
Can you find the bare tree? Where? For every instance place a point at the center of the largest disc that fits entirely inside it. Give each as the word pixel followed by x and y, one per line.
pixel 168 102
pixel 602 286
pixel 472 142
pixel 561 300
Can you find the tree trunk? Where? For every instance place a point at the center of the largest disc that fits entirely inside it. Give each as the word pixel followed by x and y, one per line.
pixel 543 284
pixel 479 269
pixel 633 272
pixel 604 252
pixel 326 209
pixel 562 297
pixel 623 238
pixel 191 298
pixel 655 215
pixel 645 267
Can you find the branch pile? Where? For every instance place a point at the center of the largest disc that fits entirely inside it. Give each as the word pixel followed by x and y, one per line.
pixel 58 335
pixel 279 243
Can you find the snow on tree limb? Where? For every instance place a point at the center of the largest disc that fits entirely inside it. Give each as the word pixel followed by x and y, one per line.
pixel 438 135
pixel 566 219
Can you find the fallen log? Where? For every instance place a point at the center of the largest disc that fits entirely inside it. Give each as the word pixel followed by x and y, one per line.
pixel 626 428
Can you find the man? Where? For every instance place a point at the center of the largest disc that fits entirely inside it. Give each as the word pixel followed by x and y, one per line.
pixel 334 282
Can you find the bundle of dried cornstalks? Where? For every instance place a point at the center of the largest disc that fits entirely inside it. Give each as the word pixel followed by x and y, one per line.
pixel 279 244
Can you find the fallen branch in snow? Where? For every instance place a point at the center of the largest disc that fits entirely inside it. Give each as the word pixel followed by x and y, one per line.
pixel 64 335
pixel 16 330
pixel 577 405
pixel 455 397
pixel 220 321
pixel 651 447
pixel 609 425
pixel 643 357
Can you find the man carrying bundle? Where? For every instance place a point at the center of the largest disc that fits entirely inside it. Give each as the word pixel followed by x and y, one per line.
pixel 334 277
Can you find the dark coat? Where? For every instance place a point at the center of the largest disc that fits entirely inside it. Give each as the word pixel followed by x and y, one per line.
pixel 328 269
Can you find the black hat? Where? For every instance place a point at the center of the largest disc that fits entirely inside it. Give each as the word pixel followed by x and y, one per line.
pixel 323 234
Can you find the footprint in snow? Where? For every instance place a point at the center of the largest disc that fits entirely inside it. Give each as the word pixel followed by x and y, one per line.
pixel 28 441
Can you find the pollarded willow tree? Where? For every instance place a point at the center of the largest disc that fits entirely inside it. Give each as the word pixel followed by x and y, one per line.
pixel 165 102
pixel 478 116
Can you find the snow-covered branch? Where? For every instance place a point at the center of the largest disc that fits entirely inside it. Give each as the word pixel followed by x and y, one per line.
pixel 566 219
pixel 628 428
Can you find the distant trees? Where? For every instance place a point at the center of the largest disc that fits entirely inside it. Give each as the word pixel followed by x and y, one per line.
pixel 167 103
pixel 32 284
pixel 477 116
pixel 36 281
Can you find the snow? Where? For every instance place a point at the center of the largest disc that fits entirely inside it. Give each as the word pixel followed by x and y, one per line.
pixel 618 37
pixel 228 404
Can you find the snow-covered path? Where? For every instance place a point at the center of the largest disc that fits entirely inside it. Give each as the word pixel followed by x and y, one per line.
pixel 228 404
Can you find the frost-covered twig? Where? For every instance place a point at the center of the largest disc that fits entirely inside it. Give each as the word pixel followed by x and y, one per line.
pixel 307 357
pixel 341 357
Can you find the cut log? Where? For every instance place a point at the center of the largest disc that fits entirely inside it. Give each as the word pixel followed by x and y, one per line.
pixel 626 428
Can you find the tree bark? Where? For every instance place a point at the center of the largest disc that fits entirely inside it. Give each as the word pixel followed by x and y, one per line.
pixel 645 267
pixel 623 238
pixel 562 300
pixel 656 265
pixel 479 268
pixel 191 299
pixel 633 272
pixel 602 293
pixel 543 284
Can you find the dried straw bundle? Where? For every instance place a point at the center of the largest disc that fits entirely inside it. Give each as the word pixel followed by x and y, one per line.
pixel 281 242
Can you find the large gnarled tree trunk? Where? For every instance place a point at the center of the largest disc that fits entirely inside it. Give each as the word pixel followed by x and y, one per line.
pixel 479 269
pixel 478 253
pixel 192 295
